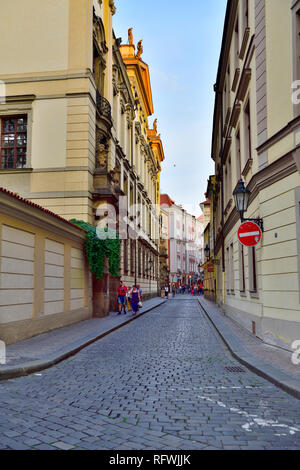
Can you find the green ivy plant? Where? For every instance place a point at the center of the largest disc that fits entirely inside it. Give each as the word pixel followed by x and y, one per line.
pixel 101 243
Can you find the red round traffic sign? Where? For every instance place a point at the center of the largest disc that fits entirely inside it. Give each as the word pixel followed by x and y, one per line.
pixel 249 234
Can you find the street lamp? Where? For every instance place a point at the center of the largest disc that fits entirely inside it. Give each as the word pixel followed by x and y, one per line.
pixel 207 251
pixel 241 198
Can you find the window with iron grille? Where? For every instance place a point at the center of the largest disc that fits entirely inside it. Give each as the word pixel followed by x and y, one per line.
pixel 13 141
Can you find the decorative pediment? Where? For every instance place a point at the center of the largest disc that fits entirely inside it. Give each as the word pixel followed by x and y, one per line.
pixel 99 35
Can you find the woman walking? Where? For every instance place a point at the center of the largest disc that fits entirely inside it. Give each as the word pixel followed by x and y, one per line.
pixel 135 299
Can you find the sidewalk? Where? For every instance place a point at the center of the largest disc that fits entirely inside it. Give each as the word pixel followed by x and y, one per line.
pixel 270 362
pixel 47 349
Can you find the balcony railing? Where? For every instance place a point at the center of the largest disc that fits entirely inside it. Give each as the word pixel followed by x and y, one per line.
pixel 103 106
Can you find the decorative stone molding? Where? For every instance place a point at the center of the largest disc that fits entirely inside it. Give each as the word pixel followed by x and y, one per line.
pixel 235 79
pixel 247 167
pixel 244 43
pixel 112 7
pixel 226 149
pixel 235 115
pixel 229 204
pixel 244 84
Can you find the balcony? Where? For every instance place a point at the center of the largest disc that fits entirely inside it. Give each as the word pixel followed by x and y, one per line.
pixel 103 108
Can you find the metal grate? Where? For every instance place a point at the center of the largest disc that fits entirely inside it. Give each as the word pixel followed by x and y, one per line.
pixel 234 369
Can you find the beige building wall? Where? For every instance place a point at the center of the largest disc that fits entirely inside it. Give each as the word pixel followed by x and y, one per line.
pixel 44 277
pixel 272 309
pixel 47 65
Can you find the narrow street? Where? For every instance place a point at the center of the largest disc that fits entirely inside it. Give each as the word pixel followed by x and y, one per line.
pixel 161 382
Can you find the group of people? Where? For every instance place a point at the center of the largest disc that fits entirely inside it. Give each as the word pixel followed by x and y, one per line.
pixel 196 289
pixel 129 297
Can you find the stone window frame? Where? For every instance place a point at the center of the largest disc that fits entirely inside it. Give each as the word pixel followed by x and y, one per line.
pixel 230 268
pixel 232 279
pixel 242 273
pixel 14 110
pixel 252 271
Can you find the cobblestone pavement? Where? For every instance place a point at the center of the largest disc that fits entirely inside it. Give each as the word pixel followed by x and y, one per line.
pixel 164 381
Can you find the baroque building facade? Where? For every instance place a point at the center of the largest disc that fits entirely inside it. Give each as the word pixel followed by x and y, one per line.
pixel 256 136
pixel 75 137
pixel 185 243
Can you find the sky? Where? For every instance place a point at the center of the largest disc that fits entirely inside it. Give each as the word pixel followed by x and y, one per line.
pixel 181 43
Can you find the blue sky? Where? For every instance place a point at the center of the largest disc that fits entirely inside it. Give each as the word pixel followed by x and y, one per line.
pixel 181 41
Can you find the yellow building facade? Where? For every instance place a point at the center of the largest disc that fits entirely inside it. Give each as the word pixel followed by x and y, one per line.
pixel 256 134
pixel 74 121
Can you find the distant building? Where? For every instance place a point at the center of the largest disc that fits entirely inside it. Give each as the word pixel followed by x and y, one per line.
pixel 184 243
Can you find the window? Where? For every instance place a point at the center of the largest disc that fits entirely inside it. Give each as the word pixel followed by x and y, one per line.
pixel 13 141
pixel 238 156
pixel 125 186
pixel 252 269
pixel 225 186
pixel 231 268
pixel 126 256
pixel 229 181
pixel 227 261
pixel 246 13
pixel 242 268
pixel 297 200
pixel 298 44
pixel 236 41
pixel 247 133
pixel 139 261
pixel 296 50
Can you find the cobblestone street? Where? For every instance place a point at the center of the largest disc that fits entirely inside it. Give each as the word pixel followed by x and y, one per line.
pixel 164 381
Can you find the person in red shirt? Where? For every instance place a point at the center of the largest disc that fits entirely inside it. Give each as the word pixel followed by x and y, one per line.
pixel 122 291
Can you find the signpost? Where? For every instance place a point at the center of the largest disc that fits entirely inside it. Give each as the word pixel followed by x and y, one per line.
pixel 249 234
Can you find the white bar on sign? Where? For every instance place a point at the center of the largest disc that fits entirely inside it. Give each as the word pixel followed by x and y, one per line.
pixel 248 234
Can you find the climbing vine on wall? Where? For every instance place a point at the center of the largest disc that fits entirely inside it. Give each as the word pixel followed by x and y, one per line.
pixel 101 243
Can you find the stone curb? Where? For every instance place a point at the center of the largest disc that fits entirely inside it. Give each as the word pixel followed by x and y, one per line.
pixel 258 366
pixel 36 366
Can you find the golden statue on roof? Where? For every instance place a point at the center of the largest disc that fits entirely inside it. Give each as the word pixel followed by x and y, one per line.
pixel 140 49
pixel 130 37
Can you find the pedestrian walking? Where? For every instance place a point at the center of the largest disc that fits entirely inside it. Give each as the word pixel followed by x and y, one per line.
pixel 173 290
pixel 141 296
pixel 201 289
pixel 166 291
pixel 122 291
pixel 134 299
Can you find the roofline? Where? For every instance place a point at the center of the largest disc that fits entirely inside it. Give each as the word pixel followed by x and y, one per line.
pixel 40 208
pixel 231 6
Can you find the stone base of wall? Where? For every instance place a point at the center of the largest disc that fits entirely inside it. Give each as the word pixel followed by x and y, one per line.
pixel 245 319
pixel 150 296
pixel 24 329
pixel 280 333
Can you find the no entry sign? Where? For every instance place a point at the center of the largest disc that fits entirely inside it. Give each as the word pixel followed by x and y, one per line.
pixel 249 234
